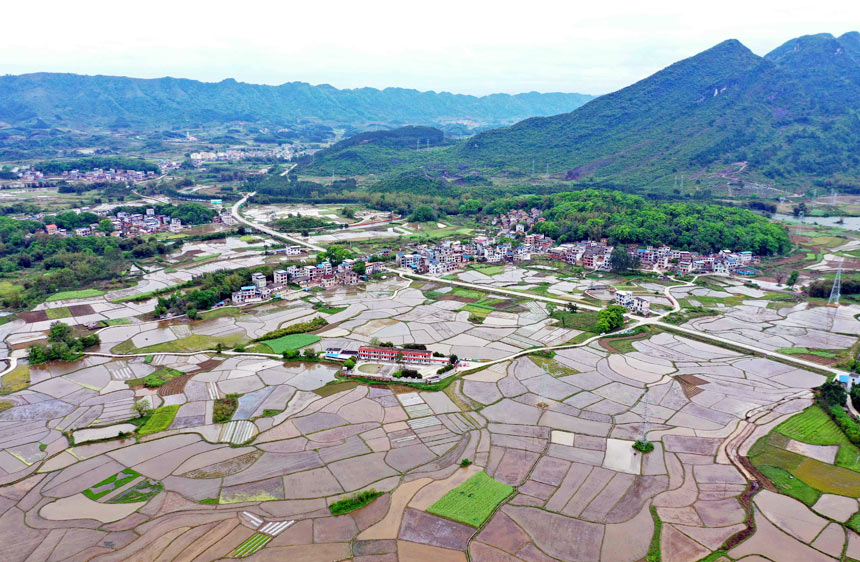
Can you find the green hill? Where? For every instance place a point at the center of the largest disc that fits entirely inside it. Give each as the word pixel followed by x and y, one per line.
pixel 790 119
pixel 72 100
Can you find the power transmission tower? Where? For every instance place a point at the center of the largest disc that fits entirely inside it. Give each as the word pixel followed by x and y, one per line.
pixel 837 286
pixel 644 437
pixel 533 166
pixel 833 197
pixel 800 216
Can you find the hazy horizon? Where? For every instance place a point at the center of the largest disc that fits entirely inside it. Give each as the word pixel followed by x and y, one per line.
pixel 463 49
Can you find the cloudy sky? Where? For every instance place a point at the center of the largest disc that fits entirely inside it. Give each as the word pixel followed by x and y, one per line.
pixel 463 46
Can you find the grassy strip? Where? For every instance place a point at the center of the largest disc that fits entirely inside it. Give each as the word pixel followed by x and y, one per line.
pixel 207 257
pixel 805 351
pixel 79 294
pixel 252 545
pixel 353 502
pixel 118 480
pixel 473 501
pixel 141 492
pixel 220 312
pixel 118 321
pixel 654 554
pixel 441 385
pixel 300 328
pixel 159 421
pixel 152 294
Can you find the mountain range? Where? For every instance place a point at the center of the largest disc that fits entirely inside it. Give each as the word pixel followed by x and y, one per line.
pixel 788 119
pixel 77 101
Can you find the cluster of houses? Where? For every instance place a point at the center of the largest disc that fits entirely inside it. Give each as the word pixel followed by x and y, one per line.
pixel 382 354
pixel 323 275
pixel 596 256
pixel 124 224
pixel 633 303
pixel 98 175
pixel 517 220
pixel 447 256
pixel 233 155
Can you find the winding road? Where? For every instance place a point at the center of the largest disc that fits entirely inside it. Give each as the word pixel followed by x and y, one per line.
pixel 265 229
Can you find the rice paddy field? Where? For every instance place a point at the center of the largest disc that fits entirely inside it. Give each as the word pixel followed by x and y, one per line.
pixel 813 426
pixel 81 294
pixel 160 420
pixel 473 501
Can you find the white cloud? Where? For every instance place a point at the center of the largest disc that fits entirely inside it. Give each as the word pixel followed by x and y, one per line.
pixel 462 46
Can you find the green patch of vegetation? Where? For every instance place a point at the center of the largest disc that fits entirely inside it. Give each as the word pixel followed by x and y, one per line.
pixel 689 313
pixel 194 342
pixel 353 502
pixel 299 328
pixel 206 257
pixel 252 545
pixel 487 269
pixel 654 554
pixel 248 239
pixel 806 351
pixel 854 522
pixel 473 501
pixel 550 366
pixel 110 484
pixel 43 447
pixel 225 408
pixel 789 485
pixel 270 412
pixel 118 321
pixel 291 342
pixel 62 345
pixel 714 556
pixel 15 380
pixel 148 359
pixel 333 387
pixel 584 320
pixel 220 312
pixel 58 313
pixel 643 446
pixel 465 462
pixel 79 294
pixel 812 426
pixel 210 501
pixel 848 457
pixel 140 492
pixel 159 421
pixel 156 379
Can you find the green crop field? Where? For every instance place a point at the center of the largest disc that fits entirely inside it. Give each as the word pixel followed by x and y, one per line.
pixel 472 501
pixel 813 426
pixel 291 342
pixel 791 486
pixel 57 313
pixel 110 484
pixel 160 420
pixel 806 351
pixel 81 294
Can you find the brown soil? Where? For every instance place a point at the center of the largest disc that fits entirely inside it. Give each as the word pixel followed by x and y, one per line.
pixel 33 316
pixel 606 343
pixel 81 309
pixel 690 385
pixel 466 300
pixel 174 386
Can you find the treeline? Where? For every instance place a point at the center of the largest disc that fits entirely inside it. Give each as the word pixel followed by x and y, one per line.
pixel 89 164
pixel 300 224
pixel 62 345
pixel 821 289
pixel 630 219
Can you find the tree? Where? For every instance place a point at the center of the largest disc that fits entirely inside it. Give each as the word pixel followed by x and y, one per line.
pixel 610 318
pixel 59 332
pixel 779 275
pixel 833 393
pixel 191 313
pixel 572 307
pixel 423 213
pixel 792 279
pixel 622 262
pixel 550 308
pixel 310 353
pixel 142 408
pixel 106 226
pixel 359 267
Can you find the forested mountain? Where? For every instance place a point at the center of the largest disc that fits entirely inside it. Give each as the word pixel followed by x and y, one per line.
pixel 792 116
pixel 73 100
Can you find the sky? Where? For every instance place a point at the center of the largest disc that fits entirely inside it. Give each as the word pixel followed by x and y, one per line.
pixel 465 46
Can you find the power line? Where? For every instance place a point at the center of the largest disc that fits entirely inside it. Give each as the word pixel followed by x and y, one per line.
pixel 837 286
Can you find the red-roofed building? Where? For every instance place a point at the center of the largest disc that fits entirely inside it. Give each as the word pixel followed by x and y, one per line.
pixel 392 355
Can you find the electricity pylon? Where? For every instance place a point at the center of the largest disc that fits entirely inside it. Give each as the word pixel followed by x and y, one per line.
pixel 837 286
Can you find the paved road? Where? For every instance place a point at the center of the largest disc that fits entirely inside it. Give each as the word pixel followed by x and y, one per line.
pixel 270 231
pixel 636 321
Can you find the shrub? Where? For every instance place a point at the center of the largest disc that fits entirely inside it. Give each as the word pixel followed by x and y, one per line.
pixel 643 446
pixel 353 502
pixel 465 462
pixel 225 408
